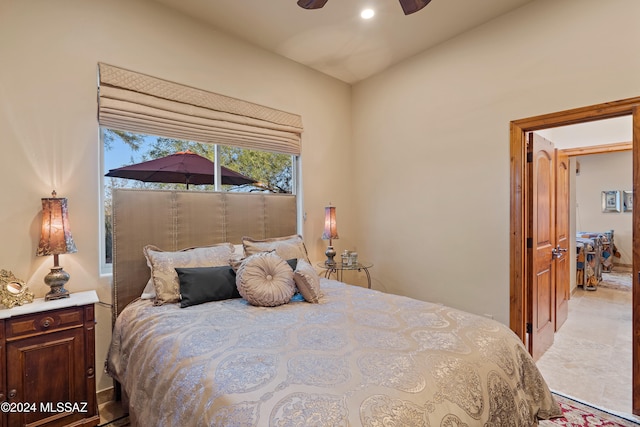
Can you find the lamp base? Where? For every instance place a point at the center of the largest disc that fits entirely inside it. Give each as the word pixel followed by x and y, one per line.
pixel 56 279
pixel 330 253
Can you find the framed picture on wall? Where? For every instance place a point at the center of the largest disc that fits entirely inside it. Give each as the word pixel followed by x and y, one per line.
pixel 611 201
pixel 627 201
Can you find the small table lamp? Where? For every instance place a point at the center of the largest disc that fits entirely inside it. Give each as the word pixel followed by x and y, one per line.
pixel 55 239
pixel 330 232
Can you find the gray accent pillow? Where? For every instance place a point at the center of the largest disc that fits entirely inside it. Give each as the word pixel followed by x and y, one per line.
pixel 265 280
pixel 307 281
pixel 203 284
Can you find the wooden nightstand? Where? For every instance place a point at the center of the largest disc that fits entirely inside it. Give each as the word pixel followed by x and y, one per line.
pixel 47 355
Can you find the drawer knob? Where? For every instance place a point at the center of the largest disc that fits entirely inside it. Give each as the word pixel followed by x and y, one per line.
pixel 12 393
pixel 46 322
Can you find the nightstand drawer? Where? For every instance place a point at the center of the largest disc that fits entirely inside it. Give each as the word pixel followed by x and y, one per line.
pixel 46 321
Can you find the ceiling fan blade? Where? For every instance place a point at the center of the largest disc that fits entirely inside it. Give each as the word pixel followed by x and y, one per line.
pixel 311 4
pixel 411 6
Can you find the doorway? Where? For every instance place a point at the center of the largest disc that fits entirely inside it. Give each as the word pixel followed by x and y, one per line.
pixel 520 302
pixel 591 355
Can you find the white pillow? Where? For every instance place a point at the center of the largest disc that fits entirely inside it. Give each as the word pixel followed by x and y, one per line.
pixel 238 251
pixel 149 291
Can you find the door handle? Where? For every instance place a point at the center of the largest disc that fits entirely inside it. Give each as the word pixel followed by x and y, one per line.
pixel 557 252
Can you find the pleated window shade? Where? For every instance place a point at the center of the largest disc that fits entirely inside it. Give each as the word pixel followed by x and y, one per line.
pixel 135 102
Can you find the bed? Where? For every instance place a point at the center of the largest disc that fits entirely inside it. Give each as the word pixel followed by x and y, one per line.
pixel 355 356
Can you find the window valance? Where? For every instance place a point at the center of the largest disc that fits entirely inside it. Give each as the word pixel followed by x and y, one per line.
pixel 140 103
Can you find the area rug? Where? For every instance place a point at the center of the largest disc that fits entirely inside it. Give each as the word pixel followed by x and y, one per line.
pixel 577 414
pixel 618 278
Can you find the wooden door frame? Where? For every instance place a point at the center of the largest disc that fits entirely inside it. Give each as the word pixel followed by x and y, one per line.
pixel 519 217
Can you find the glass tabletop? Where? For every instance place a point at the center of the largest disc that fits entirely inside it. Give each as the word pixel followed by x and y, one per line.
pixel 340 266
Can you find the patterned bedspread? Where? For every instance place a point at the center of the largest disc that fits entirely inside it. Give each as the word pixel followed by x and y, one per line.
pixel 360 357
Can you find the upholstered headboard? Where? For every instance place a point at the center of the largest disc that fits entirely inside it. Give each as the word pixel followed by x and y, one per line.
pixel 174 220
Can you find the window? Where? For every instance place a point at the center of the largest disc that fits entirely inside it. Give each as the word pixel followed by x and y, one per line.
pixel 241 169
pixel 132 107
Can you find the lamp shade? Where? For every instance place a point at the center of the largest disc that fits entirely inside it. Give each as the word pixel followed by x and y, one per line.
pixel 330 225
pixel 56 235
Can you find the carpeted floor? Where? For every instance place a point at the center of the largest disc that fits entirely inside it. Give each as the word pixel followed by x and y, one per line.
pixel 577 414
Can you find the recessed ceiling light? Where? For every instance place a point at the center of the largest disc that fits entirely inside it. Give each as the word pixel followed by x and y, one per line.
pixel 367 14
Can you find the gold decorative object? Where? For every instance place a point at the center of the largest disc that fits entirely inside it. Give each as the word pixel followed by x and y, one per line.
pixel 13 291
pixel 55 239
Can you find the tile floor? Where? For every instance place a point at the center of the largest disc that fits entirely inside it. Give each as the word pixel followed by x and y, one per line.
pixel 590 359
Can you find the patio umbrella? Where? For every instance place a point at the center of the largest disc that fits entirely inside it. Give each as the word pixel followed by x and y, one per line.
pixel 184 167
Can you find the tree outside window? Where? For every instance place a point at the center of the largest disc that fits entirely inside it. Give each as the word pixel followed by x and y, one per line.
pixel 273 172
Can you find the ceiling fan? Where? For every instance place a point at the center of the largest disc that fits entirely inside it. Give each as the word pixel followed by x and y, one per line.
pixel 408 6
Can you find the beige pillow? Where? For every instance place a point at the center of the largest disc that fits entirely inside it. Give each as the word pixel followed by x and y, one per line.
pixel 287 247
pixel 307 281
pixel 163 266
pixel 266 280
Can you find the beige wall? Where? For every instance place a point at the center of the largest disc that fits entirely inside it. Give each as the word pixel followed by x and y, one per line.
pixel 49 135
pixel 433 137
pixel 426 198
pixel 604 172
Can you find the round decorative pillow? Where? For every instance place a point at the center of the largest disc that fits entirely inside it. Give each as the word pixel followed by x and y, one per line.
pixel 266 280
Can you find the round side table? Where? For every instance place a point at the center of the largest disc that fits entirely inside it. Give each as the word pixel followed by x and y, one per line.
pixel 338 268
